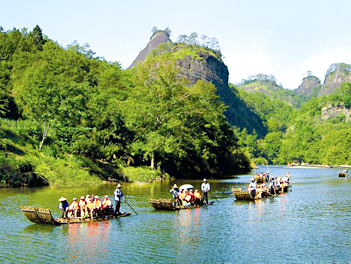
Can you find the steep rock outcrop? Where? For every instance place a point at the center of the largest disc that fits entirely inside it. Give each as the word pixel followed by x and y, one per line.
pixel 210 69
pixel 155 41
pixel 310 85
pixel 207 67
pixel 337 74
pixel 336 111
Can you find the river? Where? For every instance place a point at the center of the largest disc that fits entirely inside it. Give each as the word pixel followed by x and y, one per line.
pixel 310 224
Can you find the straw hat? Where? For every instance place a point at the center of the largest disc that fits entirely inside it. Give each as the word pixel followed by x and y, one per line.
pixel 119 186
pixel 62 199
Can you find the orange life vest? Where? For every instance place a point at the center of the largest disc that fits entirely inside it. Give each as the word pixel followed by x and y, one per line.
pixel 106 203
pixel 73 206
pixel 97 203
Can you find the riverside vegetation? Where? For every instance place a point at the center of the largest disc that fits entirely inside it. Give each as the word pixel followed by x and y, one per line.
pixel 70 117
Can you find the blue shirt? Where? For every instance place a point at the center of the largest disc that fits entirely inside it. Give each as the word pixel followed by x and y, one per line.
pixel 174 192
pixel 118 195
pixel 205 187
pixel 63 205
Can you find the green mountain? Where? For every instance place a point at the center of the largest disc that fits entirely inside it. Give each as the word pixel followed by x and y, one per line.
pixel 201 63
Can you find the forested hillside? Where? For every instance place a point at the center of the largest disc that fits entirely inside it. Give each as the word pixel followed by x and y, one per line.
pixel 300 134
pixel 69 117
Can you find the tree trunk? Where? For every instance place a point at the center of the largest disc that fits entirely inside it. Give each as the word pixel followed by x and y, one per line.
pixel 45 133
pixel 152 167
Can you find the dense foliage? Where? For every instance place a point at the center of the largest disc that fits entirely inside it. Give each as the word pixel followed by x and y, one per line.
pixel 300 134
pixel 81 117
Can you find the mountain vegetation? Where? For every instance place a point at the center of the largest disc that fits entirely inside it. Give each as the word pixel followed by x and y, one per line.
pixel 69 117
pixel 299 134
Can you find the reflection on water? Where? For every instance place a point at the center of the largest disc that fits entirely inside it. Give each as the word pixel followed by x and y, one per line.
pixel 308 225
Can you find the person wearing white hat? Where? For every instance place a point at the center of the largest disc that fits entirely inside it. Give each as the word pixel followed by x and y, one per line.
pixel 118 198
pixel 252 188
pixel 73 208
pixel 175 194
pixel 205 188
pixel 107 207
pixel 63 206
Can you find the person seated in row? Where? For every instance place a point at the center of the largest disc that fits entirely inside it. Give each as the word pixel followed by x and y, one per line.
pixel 73 208
pixel 90 206
pixel 271 186
pixel 197 198
pixel 83 207
pixel 107 208
pixel 189 198
pixel 261 191
pixel 97 206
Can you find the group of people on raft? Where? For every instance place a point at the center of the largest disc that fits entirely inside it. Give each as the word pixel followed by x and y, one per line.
pixel 275 186
pixel 188 197
pixel 91 206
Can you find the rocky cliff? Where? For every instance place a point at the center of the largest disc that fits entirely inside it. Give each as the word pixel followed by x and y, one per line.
pixel 336 75
pixel 310 86
pixel 155 41
pixel 207 67
pixel 336 111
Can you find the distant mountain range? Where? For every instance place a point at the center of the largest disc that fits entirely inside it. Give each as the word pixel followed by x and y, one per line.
pixel 337 74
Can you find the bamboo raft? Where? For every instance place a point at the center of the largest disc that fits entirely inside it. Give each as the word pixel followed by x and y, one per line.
pixel 44 216
pixel 167 204
pixel 241 194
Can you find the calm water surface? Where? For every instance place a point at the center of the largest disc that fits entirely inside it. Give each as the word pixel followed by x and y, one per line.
pixel 311 224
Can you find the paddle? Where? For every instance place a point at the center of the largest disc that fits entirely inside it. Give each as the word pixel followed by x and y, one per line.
pixel 130 205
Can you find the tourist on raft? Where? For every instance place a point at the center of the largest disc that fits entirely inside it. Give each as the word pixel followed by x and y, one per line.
pixel 189 198
pixel 83 207
pixel 271 189
pixel 252 188
pixel 73 208
pixel 97 206
pixel 197 197
pixel 64 207
pixel 118 198
pixel 175 194
pixel 205 188
pixel 107 209
pixel 90 206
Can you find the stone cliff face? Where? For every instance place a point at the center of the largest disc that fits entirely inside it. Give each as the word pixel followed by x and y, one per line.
pixel 154 42
pixel 210 69
pixel 336 75
pixel 336 111
pixel 309 86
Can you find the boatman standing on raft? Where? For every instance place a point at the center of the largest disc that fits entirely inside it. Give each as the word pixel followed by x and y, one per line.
pixel 118 198
pixel 205 188
pixel 175 194
pixel 64 207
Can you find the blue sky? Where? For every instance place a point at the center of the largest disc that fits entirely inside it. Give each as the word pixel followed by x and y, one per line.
pixel 278 37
